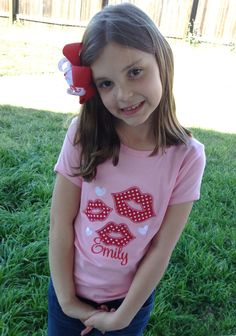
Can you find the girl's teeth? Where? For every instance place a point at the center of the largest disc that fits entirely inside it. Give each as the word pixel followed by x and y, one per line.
pixel 132 108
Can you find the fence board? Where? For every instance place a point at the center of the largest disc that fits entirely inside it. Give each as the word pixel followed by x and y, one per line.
pixel 172 17
pixel 229 34
pixel 68 12
pixel 4 8
pixel 175 18
pixel 215 19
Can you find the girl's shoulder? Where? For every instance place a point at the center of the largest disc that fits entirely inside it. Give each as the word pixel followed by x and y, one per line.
pixel 74 122
pixel 195 146
pixel 73 128
pixel 192 146
pixel 191 152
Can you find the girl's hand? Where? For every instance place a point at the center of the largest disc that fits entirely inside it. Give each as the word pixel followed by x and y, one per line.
pixel 104 321
pixel 77 309
pixel 89 328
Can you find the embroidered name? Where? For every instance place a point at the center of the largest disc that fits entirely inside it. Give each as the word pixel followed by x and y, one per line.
pixel 116 253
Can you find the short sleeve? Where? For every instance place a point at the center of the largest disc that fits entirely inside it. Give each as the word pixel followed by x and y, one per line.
pixel 188 182
pixel 69 158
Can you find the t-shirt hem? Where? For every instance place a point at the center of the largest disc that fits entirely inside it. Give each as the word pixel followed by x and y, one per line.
pixel 75 180
pixel 184 200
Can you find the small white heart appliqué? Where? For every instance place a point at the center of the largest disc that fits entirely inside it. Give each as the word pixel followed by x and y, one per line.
pixel 143 230
pixel 100 191
pixel 88 231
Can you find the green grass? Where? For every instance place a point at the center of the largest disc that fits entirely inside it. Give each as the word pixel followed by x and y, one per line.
pixel 30 141
pixel 33 49
pixel 197 294
pixel 20 56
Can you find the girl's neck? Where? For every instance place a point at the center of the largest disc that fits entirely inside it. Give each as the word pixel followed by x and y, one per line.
pixel 139 137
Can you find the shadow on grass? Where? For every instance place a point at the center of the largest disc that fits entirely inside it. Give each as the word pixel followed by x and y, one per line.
pixel 194 297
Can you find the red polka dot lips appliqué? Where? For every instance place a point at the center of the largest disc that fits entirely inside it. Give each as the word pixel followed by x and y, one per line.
pixel 115 234
pixel 142 204
pixel 97 211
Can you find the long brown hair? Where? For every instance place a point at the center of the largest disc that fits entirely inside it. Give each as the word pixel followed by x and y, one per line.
pixel 127 25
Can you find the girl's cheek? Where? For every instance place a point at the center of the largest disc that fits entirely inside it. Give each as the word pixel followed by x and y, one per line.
pixel 106 99
pixel 102 98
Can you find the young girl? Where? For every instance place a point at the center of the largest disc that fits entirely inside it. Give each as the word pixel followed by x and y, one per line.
pixel 127 176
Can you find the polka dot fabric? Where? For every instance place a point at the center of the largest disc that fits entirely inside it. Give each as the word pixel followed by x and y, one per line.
pixel 134 194
pixel 115 234
pixel 97 211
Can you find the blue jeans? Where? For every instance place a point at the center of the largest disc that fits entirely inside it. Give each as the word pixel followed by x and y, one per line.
pixel 60 324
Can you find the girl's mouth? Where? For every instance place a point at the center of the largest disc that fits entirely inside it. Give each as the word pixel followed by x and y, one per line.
pixel 133 109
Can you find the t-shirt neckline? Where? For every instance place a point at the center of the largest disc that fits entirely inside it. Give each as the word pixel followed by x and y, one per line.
pixel 135 152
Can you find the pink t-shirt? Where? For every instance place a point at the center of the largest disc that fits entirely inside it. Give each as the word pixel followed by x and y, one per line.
pixel 123 208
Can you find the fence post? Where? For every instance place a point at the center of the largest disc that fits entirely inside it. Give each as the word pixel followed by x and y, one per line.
pixel 11 11
pixel 105 3
pixel 13 8
pixel 193 15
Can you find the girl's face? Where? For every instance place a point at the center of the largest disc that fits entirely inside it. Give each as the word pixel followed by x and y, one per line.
pixel 128 82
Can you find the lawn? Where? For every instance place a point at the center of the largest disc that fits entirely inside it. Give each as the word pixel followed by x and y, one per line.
pixel 33 49
pixel 197 294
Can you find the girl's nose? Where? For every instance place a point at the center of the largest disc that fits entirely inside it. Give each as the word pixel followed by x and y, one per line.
pixel 123 93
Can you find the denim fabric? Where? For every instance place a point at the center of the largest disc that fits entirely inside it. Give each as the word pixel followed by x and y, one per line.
pixel 60 324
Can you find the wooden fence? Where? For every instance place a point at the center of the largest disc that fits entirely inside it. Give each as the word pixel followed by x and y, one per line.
pixel 208 20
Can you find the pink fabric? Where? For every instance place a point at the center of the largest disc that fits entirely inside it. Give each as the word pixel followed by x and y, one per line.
pixel 123 208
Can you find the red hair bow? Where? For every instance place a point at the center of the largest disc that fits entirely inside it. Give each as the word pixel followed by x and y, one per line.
pixel 78 77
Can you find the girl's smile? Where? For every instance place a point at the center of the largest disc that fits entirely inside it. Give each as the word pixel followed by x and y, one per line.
pixel 131 110
pixel 128 82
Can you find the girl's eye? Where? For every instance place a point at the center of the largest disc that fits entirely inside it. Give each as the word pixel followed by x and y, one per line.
pixel 105 84
pixel 135 72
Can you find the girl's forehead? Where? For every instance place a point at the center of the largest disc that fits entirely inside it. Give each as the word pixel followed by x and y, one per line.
pixel 119 57
pixel 114 48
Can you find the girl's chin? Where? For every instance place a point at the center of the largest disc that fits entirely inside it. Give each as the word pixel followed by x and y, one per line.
pixel 136 122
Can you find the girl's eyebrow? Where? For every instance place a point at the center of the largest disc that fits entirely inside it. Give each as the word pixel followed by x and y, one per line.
pixel 99 79
pixel 131 65
pixel 123 70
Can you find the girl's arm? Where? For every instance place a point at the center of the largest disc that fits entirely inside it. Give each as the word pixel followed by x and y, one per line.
pixel 150 271
pixel 155 262
pixel 64 208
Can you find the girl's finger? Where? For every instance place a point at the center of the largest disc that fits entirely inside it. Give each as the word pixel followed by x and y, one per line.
pixel 104 308
pixel 86 331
